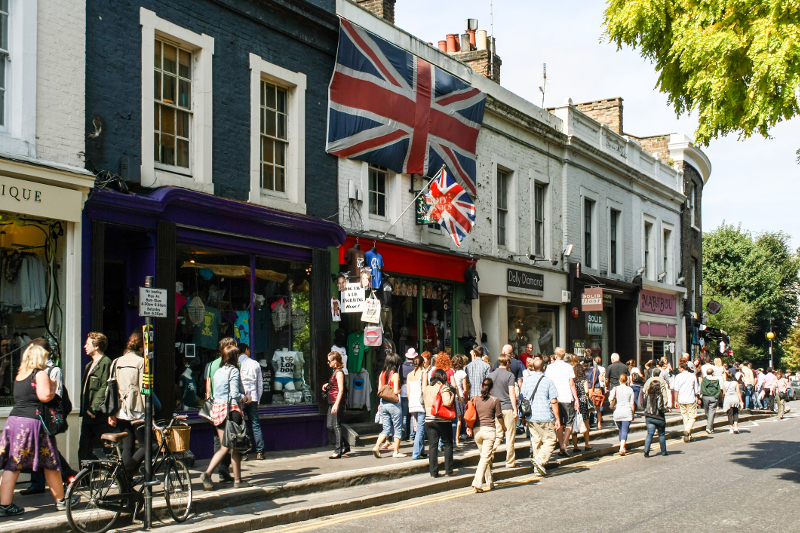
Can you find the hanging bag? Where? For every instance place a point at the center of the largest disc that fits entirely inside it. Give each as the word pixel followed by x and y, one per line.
pixel 386 391
pixel 525 409
pixel 471 414
pixel 235 437
pixel 112 402
pixel 53 414
pixel 440 410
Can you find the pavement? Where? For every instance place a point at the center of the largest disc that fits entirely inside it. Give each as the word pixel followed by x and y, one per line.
pixel 300 485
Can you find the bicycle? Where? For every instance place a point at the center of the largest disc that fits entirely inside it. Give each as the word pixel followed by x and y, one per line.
pixel 103 489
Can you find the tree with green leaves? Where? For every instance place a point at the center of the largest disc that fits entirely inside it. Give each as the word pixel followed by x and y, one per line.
pixel 760 271
pixel 735 62
pixel 790 347
pixel 738 319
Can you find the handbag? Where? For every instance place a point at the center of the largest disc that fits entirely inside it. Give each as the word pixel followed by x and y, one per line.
pixel 471 413
pixel 111 402
pixel 440 410
pixel 53 414
pixel 525 409
pixel 206 409
pixel 613 401
pixel 235 436
pixel 386 392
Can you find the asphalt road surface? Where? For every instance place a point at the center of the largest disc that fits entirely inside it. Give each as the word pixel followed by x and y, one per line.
pixel 744 482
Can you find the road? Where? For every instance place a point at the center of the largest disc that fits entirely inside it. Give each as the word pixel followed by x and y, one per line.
pixel 710 481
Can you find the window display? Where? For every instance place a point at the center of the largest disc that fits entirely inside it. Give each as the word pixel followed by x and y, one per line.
pixel 217 297
pixel 532 323
pixel 31 284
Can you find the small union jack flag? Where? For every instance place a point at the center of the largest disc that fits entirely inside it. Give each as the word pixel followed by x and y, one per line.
pixel 451 207
pixel 393 109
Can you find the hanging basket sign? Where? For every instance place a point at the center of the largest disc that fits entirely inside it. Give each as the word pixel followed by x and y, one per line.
pixel 372 310
pixel 353 297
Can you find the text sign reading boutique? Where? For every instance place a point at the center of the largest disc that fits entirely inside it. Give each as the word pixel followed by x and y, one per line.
pixel 525 282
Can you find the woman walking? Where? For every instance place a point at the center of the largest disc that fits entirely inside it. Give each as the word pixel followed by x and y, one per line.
pixel 335 389
pixel 128 371
pixel 582 388
pixel 732 403
pixel 228 394
pixel 25 444
pixel 637 381
pixel 391 413
pixel 656 400
pixel 488 411
pixel 462 388
pixel 416 410
pixel 781 387
pixel 624 410
pixel 437 427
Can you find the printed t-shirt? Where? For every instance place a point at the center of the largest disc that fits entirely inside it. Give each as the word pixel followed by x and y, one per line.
pixel 355 259
pixel 375 263
pixel 355 345
pixel 343 352
pixel 206 334
pixel 284 364
pixel 242 327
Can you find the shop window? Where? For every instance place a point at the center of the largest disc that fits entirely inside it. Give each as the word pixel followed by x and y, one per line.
pixel 613 235
pixel 538 220
pixel 502 206
pixel 532 323
pixel 377 192
pixel 31 291
pixel 649 350
pixel 173 104
pixel 272 319
pixel 437 315
pixel 274 145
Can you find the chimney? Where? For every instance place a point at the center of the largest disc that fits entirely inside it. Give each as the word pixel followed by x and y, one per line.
pixel 476 51
pixel 382 8
pixel 608 112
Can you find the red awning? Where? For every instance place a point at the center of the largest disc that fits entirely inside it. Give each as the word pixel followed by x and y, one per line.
pixel 413 261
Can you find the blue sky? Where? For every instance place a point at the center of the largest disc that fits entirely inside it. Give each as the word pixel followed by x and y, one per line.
pixel 753 182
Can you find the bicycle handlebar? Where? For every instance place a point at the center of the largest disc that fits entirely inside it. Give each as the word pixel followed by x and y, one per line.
pixel 175 418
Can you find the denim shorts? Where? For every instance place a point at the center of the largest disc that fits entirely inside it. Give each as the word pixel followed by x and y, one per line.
pixel 392 419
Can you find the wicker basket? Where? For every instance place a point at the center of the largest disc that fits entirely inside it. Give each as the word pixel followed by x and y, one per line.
pixel 178 439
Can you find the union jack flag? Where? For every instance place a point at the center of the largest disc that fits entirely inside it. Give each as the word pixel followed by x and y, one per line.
pixel 451 207
pixel 393 109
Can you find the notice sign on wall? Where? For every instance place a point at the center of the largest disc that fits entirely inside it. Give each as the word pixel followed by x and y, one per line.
pixel 592 299
pixel 353 297
pixel 153 302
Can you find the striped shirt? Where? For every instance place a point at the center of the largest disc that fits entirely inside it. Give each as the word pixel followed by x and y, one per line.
pixel 477 371
pixel 541 410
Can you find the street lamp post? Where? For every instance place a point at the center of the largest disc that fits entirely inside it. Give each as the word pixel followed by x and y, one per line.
pixel 770 336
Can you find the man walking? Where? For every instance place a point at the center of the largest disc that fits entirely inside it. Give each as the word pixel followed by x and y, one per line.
pixel 749 384
pixel 685 383
pixel 543 424
pixel 563 375
pixel 505 391
pixel 93 393
pixel 614 371
pixel 710 389
pixel 514 365
pixel 769 388
pixel 253 383
pixel 477 371
pixel 757 399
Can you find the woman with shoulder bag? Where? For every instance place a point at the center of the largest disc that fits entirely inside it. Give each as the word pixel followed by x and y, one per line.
pixel 732 403
pixel 228 393
pixel 335 390
pixel 391 413
pixel 582 388
pixel 656 399
pixel 488 410
pixel 780 391
pixel 637 381
pixel 128 371
pixel 437 427
pixel 624 409
pixel 416 410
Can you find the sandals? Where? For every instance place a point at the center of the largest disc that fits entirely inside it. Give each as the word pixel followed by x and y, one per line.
pixel 376 452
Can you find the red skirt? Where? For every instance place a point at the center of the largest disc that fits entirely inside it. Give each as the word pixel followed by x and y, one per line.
pixel 220 412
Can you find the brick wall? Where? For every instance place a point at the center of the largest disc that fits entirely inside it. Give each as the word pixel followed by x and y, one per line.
pixel 302 41
pixel 608 112
pixel 60 98
pixel 692 242
pixel 657 144
pixel 480 62
pixel 382 8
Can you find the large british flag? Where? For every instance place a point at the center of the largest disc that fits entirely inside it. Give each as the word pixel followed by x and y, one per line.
pixel 393 109
pixel 451 206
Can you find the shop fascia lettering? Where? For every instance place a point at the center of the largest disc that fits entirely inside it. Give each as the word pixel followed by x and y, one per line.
pixel 524 282
pixel 39 199
pixel 20 194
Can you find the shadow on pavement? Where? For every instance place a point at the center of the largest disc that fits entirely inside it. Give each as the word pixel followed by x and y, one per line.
pixel 771 454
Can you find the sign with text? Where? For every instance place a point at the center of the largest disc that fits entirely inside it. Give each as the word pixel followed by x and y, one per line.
pixel 592 299
pixel 153 302
pixel 657 303
pixel 594 324
pixel 372 311
pixel 38 199
pixel 353 297
pixel 524 282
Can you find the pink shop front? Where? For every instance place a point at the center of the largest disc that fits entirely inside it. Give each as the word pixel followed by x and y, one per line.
pixel 660 331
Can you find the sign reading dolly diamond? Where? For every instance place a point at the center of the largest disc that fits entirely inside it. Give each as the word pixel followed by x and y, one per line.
pixel 524 282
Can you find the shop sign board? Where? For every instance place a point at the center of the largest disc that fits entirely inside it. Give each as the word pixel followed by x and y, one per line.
pixel 353 297
pixel 592 299
pixel 657 303
pixel 524 282
pixel 594 324
pixel 153 302
pixel 38 199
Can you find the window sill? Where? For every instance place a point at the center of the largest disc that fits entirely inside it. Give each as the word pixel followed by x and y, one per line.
pixel 378 218
pixel 175 179
pixel 16 146
pixel 278 201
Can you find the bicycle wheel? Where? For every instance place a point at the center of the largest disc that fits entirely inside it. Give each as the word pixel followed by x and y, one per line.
pixel 84 496
pixel 178 490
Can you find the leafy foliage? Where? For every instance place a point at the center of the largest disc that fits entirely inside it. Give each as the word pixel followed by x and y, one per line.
pixel 759 277
pixel 791 350
pixel 738 319
pixel 737 62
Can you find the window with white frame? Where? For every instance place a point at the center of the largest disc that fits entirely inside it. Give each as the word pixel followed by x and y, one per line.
pixel 4 57
pixel 692 200
pixel 613 237
pixel 377 191
pixel 173 104
pixel 502 207
pixel 649 251
pixel 274 136
pixel 666 271
pixel 588 222
pixel 538 220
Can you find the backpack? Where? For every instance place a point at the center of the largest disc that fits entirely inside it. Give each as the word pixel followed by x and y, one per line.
pixel 710 387
pixel 655 400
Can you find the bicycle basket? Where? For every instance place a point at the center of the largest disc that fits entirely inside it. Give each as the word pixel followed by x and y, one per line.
pixel 177 439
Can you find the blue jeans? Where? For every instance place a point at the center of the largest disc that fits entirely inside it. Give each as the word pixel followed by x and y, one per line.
pixel 636 390
pixel 654 424
pixel 392 419
pixel 747 393
pixel 251 410
pixel 419 438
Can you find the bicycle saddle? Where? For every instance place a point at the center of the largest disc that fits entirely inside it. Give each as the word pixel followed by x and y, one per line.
pixel 114 437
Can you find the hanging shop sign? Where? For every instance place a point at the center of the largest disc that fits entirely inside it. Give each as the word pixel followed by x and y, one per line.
pixel 423 210
pixel 592 299
pixel 372 311
pixel 353 297
pixel 657 303
pixel 524 282
pixel 38 199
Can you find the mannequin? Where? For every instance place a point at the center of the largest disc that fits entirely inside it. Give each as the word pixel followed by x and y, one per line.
pixel 284 363
pixel 299 379
pixel 356 260
pixel 533 338
pixel 375 263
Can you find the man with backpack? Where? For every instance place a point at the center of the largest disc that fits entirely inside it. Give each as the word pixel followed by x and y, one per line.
pixel 656 402
pixel 541 396
pixel 710 390
pixel 685 384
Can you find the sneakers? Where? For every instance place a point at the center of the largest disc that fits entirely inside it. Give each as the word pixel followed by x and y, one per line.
pixel 730 431
pixel 12 510
pixel 61 505
pixel 207 483
pixel 240 484
pixel 261 456
pixel 225 476
pixel 538 466
pixel 647 454
pixel 399 455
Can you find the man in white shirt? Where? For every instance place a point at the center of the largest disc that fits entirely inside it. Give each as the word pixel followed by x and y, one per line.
pixel 685 383
pixel 749 384
pixel 563 375
pixel 253 384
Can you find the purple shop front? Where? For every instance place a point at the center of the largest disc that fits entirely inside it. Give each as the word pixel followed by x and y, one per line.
pixel 231 269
